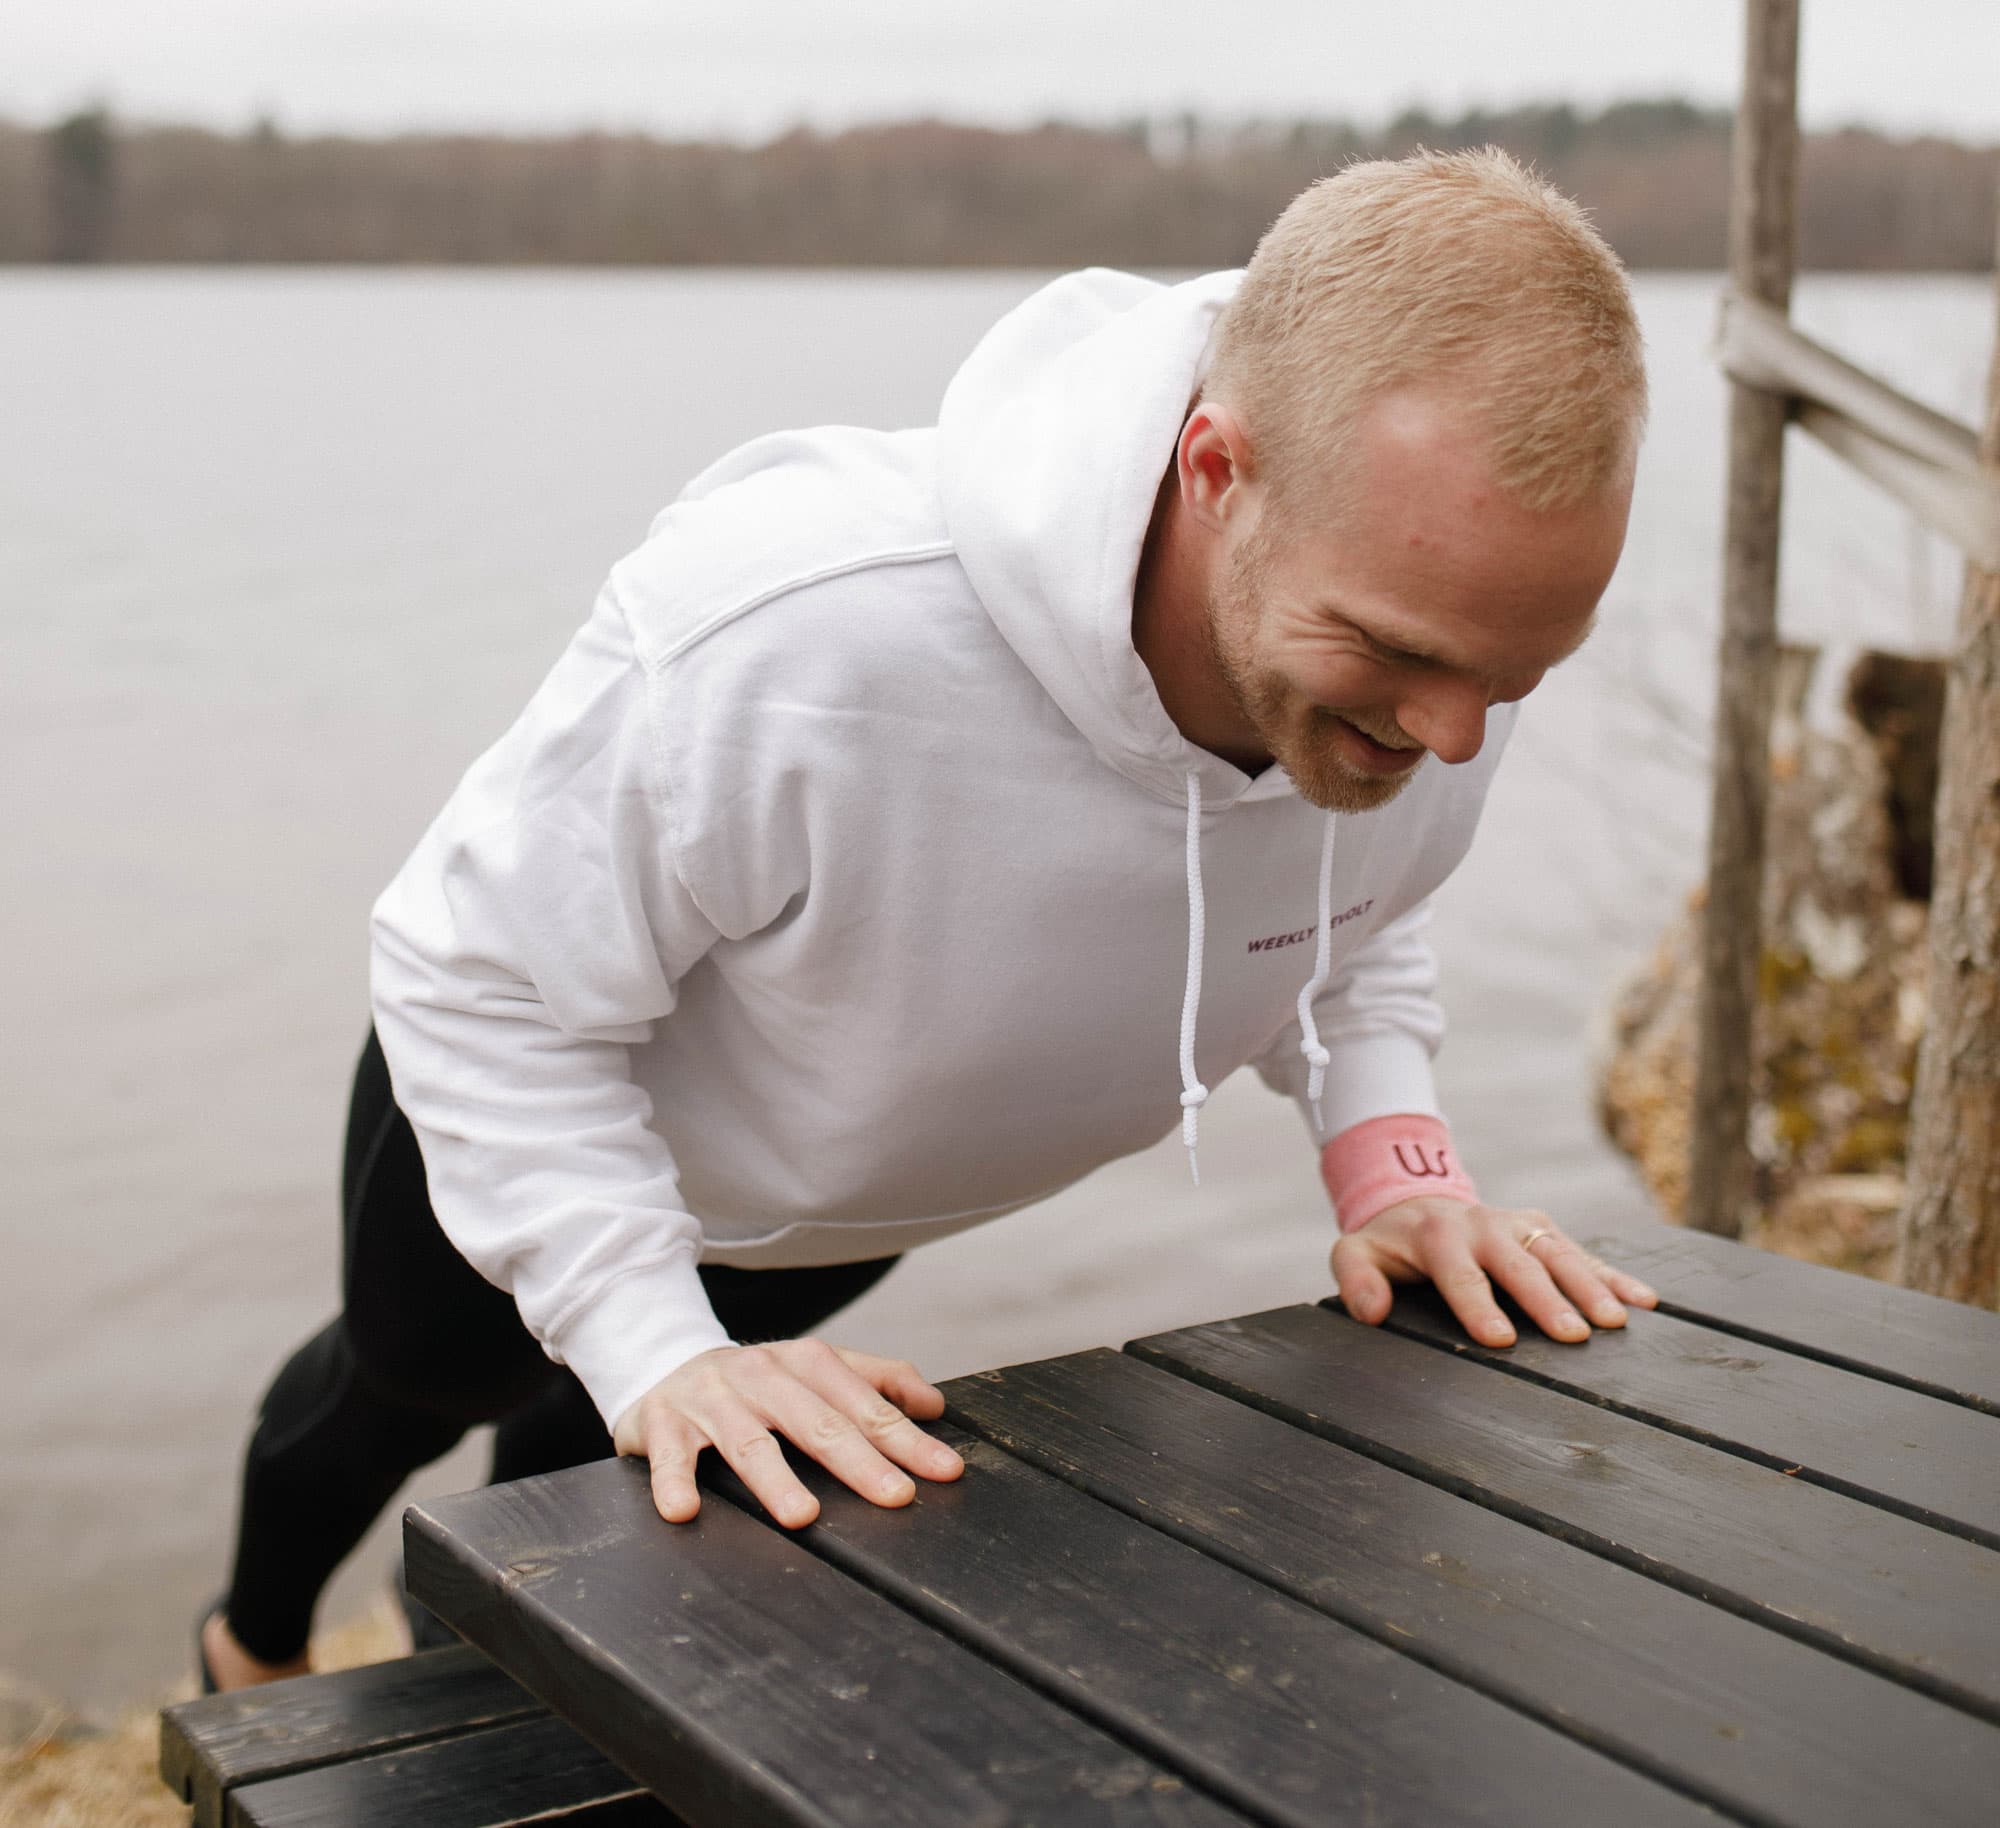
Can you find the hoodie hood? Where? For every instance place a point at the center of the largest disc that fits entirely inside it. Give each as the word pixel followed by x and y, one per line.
pixel 1052 440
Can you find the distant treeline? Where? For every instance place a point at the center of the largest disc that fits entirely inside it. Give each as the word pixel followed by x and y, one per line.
pixel 1176 193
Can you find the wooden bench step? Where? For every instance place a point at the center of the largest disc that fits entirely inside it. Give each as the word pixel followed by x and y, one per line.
pixel 212 1746
pixel 536 1769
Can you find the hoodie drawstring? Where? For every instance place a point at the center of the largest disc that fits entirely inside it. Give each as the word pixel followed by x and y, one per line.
pixel 1316 1056
pixel 1193 1093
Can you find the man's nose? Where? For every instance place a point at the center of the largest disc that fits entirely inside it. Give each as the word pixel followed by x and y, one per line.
pixel 1448 717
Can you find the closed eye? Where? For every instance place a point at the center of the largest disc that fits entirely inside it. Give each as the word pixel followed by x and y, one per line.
pixel 1398 656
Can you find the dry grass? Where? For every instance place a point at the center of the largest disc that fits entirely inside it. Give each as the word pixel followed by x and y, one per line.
pixel 61 1776
pixel 59 1782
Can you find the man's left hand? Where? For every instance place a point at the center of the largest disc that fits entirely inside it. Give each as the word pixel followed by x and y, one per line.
pixel 1465 1250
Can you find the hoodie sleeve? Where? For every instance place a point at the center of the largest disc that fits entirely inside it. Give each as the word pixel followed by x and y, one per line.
pixel 1379 1019
pixel 536 934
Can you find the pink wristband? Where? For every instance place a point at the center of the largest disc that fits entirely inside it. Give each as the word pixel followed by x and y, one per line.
pixel 1387 1159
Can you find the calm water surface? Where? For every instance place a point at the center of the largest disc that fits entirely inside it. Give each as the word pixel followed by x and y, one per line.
pixel 281 552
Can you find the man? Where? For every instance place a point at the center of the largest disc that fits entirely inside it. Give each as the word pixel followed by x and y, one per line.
pixel 922 820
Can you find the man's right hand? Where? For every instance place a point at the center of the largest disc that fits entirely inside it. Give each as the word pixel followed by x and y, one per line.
pixel 850 1410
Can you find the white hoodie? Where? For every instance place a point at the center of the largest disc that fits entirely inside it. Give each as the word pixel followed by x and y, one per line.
pixel 835 891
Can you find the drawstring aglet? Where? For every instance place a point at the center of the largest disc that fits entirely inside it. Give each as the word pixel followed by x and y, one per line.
pixel 1191 1101
pixel 1318 1059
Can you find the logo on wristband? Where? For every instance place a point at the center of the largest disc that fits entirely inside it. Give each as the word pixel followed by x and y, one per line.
pixel 1425 1168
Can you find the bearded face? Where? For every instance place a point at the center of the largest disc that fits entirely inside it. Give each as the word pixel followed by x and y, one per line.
pixel 1356 630
pixel 1314 742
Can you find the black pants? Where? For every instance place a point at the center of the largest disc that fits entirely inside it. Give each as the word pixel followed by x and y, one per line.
pixel 423 1349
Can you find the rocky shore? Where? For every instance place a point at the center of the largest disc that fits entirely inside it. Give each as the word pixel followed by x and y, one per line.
pixel 1841 995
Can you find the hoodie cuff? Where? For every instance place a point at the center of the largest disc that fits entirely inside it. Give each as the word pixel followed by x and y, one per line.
pixel 1386 1074
pixel 638 1329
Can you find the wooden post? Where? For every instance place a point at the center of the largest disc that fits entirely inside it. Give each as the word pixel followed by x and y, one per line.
pixel 1950 1238
pixel 1762 244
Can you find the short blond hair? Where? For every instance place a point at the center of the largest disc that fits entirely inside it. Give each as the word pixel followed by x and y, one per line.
pixel 1457 268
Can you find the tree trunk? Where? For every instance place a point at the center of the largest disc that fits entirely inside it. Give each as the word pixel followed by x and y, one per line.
pixel 1950 1243
pixel 1762 251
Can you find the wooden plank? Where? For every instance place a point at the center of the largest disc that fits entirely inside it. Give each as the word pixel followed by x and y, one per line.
pixel 1756 1723
pixel 1762 346
pixel 1919 1605
pixel 748 1684
pixel 533 1770
pixel 210 1745
pixel 1956 500
pixel 1284 1713
pixel 1936 1462
pixel 1928 462
pixel 1940 1347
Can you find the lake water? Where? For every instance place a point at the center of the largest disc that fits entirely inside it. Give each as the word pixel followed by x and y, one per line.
pixel 280 552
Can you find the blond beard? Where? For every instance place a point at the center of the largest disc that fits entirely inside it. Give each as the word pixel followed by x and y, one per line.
pixel 1298 735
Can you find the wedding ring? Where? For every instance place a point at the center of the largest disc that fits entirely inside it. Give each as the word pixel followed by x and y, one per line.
pixel 1534 1237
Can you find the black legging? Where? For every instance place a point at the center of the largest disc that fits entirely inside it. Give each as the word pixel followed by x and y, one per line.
pixel 423 1349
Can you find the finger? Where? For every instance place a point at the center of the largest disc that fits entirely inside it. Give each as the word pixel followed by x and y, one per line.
pixel 897 1379
pixel 1628 1288
pixel 782 1389
pixel 1364 1290
pixel 825 1371
pixel 1524 1275
pixel 1580 1276
pixel 1449 1262
pixel 741 1437
pixel 777 1387
pixel 833 1440
pixel 672 1445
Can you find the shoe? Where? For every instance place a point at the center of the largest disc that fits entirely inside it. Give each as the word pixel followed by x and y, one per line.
pixel 201 1668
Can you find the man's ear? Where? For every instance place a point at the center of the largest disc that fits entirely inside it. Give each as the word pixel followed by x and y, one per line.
pixel 1214 465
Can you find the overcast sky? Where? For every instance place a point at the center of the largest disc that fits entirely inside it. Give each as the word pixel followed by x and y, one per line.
pixel 749 68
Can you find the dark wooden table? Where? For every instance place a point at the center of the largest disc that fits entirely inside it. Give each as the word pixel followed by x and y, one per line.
pixel 1740 1561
